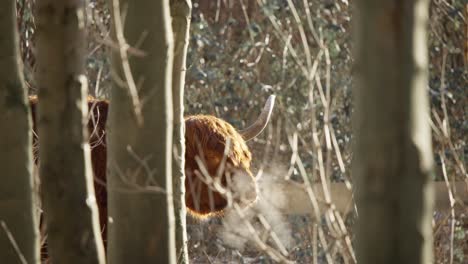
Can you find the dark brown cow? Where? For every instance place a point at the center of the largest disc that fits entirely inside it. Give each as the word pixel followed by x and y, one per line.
pixel 206 138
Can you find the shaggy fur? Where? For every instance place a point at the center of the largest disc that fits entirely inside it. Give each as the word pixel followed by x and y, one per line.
pixel 205 137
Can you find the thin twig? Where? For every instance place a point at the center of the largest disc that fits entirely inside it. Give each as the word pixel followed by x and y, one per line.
pixel 452 204
pixel 13 243
pixel 123 48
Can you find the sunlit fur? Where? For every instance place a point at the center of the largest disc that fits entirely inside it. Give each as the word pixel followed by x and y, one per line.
pixel 205 137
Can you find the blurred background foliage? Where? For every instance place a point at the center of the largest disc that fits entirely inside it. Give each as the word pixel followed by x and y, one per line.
pixel 241 51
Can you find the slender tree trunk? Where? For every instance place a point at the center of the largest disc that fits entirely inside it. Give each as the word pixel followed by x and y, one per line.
pixel 393 163
pixel 181 12
pixel 64 154
pixel 18 222
pixel 141 212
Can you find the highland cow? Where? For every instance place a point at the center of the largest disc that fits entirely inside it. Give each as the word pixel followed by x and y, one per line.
pixel 216 155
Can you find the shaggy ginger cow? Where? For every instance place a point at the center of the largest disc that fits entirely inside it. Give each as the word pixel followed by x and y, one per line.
pixel 206 139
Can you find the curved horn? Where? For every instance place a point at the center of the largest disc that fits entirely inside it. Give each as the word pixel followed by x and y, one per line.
pixel 257 127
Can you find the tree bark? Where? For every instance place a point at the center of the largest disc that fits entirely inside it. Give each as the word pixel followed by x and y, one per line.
pixel 65 166
pixel 19 241
pixel 393 162
pixel 141 212
pixel 181 12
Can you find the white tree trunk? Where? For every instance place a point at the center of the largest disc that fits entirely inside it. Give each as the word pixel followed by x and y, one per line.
pixel 181 12
pixel 19 241
pixel 64 155
pixel 393 162
pixel 141 212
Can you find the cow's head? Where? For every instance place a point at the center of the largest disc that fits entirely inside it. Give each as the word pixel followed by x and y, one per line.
pixel 218 162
